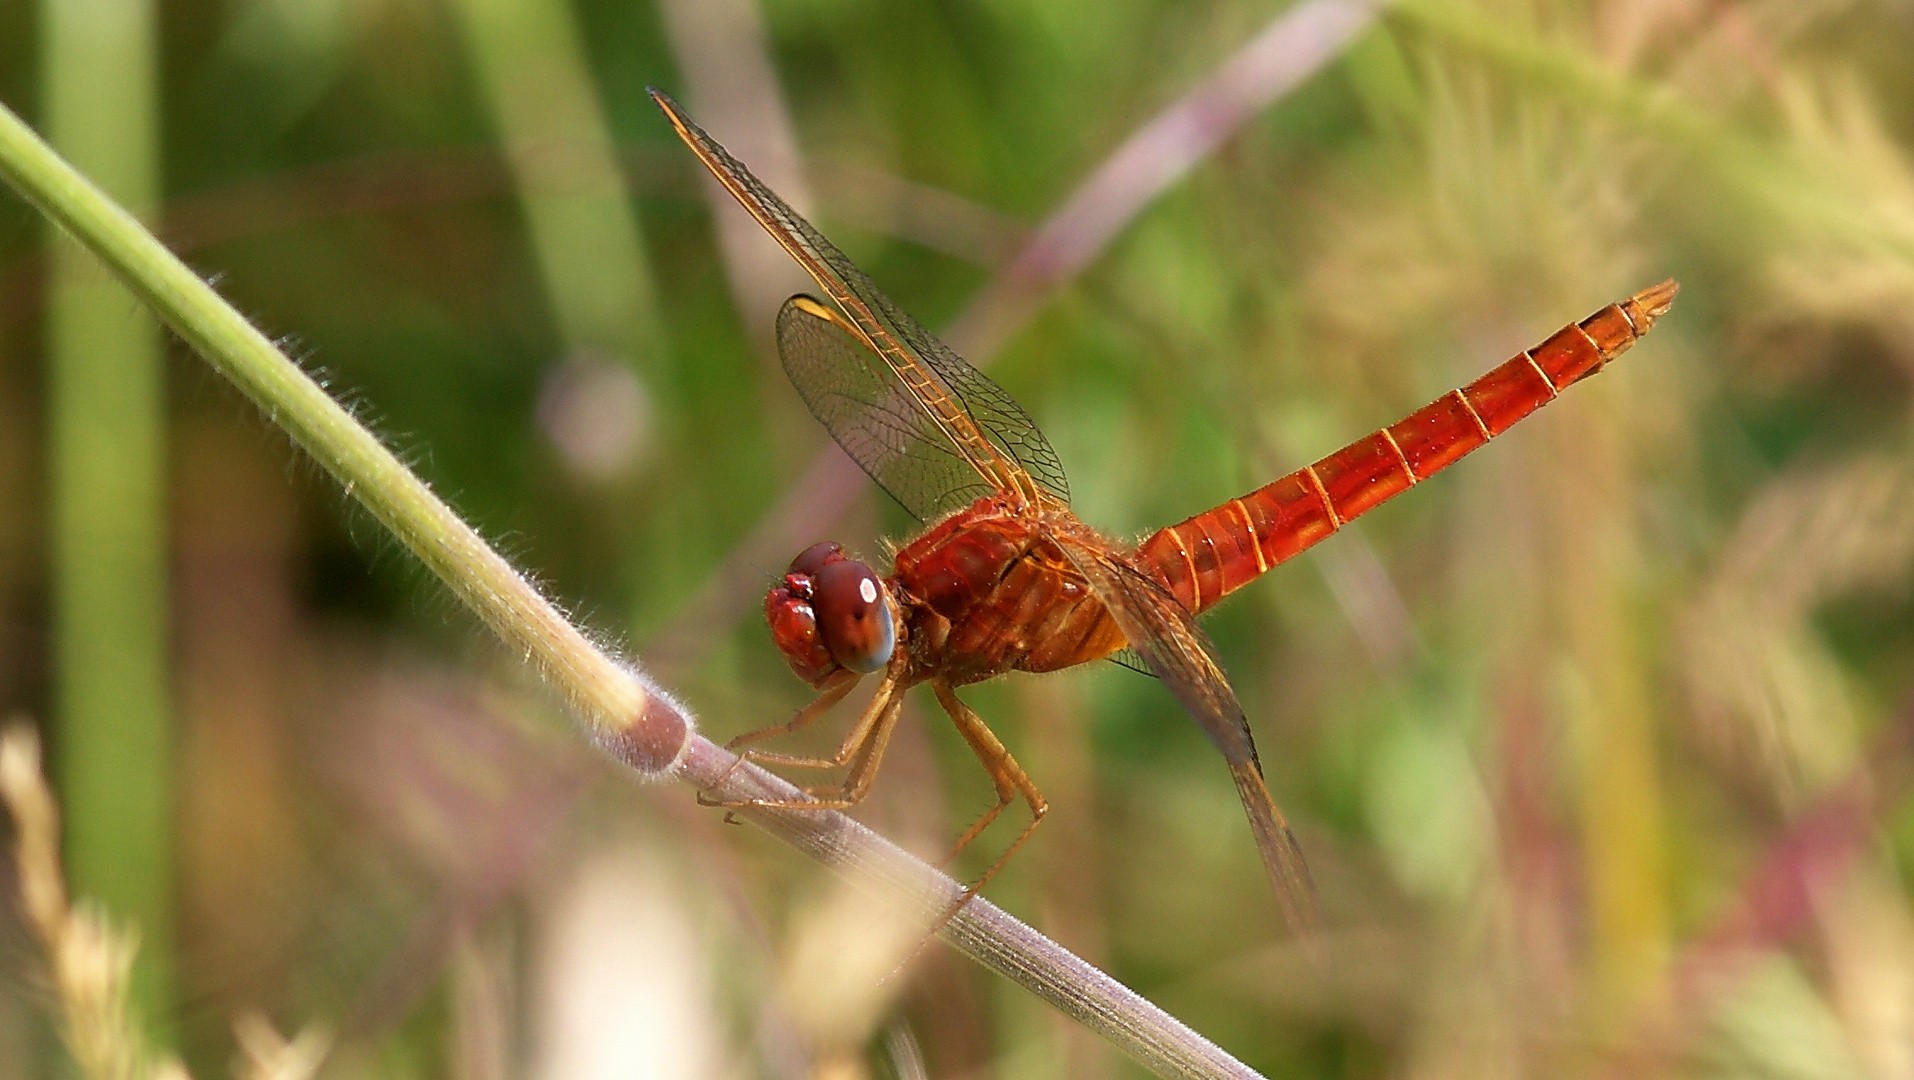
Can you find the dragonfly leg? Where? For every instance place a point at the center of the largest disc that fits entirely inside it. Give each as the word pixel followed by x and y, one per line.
pixel 863 770
pixel 834 692
pixel 1010 781
pixel 864 759
pixel 859 733
pixel 872 727
pixel 1005 774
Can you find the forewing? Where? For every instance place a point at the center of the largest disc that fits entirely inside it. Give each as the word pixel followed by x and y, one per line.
pixel 1165 635
pixel 1003 422
pixel 975 416
pixel 851 392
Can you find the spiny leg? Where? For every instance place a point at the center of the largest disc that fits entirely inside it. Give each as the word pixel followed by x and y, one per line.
pixel 834 691
pixel 1005 774
pixel 863 771
pixel 885 703
pixel 874 726
pixel 853 741
pixel 1010 781
pixel 857 783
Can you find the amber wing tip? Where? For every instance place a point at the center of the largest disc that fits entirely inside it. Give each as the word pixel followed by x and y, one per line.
pixel 1651 303
pixel 672 110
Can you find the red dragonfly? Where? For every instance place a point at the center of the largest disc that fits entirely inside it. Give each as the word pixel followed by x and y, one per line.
pixel 1006 578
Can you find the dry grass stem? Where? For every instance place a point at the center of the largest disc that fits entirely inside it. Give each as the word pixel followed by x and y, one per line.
pixel 90 962
pixel 264 1054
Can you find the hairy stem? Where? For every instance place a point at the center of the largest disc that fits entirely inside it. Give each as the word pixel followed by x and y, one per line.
pixel 609 697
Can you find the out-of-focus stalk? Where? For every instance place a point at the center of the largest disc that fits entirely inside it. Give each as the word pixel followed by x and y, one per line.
pixel 1612 715
pixel 622 711
pixel 590 250
pixel 644 729
pixel 731 83
pixel 89 959
pixel 106 451
pixel 1292 48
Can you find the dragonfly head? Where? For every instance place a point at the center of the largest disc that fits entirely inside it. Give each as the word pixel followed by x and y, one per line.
pixel 830 612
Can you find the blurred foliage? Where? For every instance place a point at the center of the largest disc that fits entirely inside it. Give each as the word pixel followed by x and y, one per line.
pixel 1597 744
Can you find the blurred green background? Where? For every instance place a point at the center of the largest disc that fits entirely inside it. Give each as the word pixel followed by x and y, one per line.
pixel 1597 744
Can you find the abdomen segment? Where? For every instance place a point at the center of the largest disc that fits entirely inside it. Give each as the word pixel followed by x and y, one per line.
pixel 1217 552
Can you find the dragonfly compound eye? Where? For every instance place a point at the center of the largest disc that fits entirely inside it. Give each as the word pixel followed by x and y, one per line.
pixel 814 558
pixel 853 615
pixel 794 628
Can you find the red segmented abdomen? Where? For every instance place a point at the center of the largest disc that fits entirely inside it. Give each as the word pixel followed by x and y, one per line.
pixel 1217 552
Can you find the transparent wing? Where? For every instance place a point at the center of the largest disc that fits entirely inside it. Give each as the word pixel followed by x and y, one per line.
pixel 1176 650
pixel 990 407
pixel 851 392
pixel 974 415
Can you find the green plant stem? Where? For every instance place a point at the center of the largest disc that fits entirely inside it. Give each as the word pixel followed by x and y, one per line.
pixel 606 695
pixel 106 459
pixel 622 711
pixel 587 240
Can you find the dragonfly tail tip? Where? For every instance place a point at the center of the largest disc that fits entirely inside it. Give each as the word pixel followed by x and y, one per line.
pixel 1650 304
